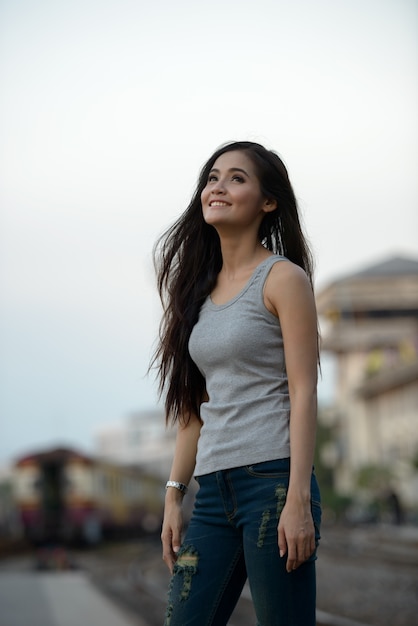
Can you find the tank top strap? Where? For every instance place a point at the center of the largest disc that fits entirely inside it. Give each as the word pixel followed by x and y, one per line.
pixel 260 276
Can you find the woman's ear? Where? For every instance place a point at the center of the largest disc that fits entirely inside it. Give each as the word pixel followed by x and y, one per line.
pixel 269 205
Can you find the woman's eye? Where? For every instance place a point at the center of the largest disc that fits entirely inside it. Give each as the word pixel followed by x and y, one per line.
pixel 238 178
pixel 212 178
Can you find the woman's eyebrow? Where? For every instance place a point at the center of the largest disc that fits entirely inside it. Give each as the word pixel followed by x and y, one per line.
pixel 231 169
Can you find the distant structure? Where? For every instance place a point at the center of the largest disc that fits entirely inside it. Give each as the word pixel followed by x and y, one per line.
pixel 139 439
pixel 10 527
pixel 369 321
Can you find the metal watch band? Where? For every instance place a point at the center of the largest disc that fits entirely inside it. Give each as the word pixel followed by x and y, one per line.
pixel 180 486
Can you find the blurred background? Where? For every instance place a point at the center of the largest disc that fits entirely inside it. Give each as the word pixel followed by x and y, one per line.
pixel 108 111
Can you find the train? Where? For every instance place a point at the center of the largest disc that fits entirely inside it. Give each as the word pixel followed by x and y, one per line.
pixel 63 495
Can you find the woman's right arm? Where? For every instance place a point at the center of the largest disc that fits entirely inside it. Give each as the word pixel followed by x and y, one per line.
pixel 181 471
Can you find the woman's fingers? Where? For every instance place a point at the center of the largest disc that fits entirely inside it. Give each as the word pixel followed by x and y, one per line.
pixel 298 545
pixel 171 536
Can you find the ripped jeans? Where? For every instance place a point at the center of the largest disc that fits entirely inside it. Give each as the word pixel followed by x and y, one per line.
pixel 233 535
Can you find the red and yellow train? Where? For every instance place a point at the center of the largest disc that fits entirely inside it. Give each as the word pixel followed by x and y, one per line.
pixel 64 495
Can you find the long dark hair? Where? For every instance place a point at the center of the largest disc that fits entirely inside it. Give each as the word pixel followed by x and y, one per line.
pixel 188 259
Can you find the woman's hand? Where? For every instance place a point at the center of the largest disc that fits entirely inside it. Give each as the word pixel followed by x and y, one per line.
pixel 172 529
pixel 296 533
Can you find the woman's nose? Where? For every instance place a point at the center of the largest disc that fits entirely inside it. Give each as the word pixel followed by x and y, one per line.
pixel 218 187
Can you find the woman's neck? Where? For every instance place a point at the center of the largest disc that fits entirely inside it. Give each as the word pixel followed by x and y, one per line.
pixel 239 256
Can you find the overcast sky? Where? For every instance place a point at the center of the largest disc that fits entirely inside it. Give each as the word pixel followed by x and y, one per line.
pixel 109 108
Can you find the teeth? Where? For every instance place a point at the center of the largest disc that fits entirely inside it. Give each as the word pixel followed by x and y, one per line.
pixel 218 204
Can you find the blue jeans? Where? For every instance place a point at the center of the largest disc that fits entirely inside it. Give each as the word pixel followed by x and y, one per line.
pixel 233 534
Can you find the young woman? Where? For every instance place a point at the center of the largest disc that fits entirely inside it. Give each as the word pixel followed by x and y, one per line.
pixel 237 360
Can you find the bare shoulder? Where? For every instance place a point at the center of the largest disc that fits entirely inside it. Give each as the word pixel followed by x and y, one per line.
pixel 286 283
pixel 285 274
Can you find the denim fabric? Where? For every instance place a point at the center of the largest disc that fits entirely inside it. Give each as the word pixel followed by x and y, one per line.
pixel 232 535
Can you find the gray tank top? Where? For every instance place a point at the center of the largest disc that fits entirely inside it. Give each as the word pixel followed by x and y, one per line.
pixel 238 347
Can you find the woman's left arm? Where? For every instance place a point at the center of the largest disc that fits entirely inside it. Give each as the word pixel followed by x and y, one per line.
pixel 289 295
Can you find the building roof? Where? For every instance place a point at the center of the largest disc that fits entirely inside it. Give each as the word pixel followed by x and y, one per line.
pixel 393 266
pixel 388 288
pixel 53 455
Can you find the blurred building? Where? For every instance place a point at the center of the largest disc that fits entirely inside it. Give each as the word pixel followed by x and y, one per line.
pixel 139 439
pixel 9 520
pixel 369 321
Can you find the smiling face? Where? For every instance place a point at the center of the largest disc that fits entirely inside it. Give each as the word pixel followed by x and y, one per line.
pixel 232 195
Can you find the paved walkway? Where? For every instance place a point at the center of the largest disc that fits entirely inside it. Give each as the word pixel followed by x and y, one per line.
pixel 56 599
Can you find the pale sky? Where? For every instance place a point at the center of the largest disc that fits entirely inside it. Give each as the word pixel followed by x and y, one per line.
pixel 109 108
